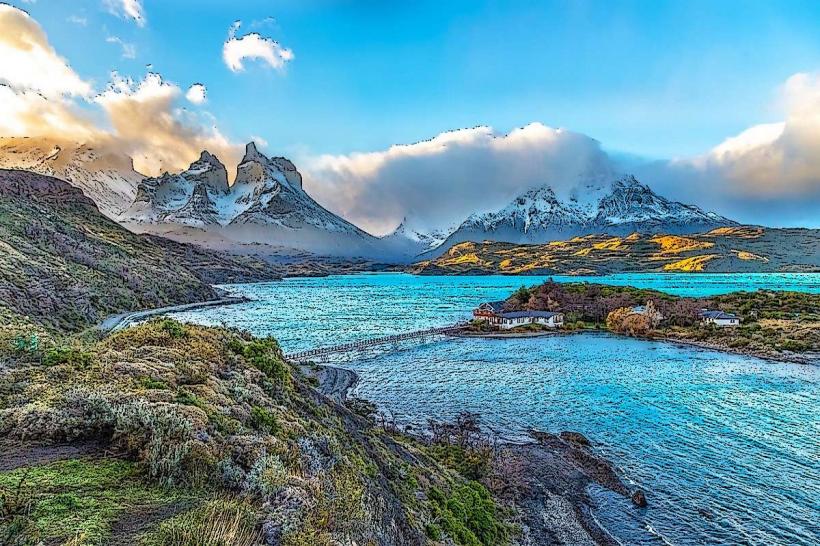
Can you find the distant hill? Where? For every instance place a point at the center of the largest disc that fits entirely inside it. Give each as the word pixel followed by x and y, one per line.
pixel 733 249
pixel 65 265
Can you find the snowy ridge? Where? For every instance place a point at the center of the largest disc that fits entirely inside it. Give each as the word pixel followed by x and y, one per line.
pixel 411 242
pixel 619 207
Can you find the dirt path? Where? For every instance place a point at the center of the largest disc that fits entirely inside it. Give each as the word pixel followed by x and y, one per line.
pixel 129 526
pixel 15 454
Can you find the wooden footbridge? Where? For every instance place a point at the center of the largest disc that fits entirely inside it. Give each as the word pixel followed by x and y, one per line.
pixel 372 342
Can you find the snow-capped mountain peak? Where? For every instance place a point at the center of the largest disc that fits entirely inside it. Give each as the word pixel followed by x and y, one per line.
pixel 103 173
pixel 265 205
pixel 621 206
pixel 209 170
pixel 533 210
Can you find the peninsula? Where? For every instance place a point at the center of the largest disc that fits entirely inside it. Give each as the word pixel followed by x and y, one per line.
pixel 778 325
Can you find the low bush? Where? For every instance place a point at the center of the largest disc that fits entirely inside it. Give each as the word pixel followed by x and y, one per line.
pixel 162 436
pixel 265 355
pixel 67 355
pixel 174 329
pixel 472 462
pixel 148 382
pixel 266 477
pixel 468 515
pixel 264 420
pixel 218 522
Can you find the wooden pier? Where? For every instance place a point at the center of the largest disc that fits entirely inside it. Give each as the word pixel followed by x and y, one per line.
pixel 373 342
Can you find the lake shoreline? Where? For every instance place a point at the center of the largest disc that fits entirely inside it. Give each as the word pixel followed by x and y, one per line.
pixel 552 474
pixel 792 358
pixel 119 321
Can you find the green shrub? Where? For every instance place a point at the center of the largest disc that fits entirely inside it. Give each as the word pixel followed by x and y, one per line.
pixel 265 355
pixel 162 434
pixel 148 382
pixel 265 421
pixel 471 462
pixel 469 516
pixel 67 355
pixel 267 476
pixel 29 343
pixel 173 328
pixel 794 345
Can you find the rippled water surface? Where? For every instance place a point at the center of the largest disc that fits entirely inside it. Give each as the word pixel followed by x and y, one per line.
pixel 727 447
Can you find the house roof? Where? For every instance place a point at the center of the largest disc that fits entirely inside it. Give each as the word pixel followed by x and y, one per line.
pixel 495 306
pixel 717 315
pixel 529 314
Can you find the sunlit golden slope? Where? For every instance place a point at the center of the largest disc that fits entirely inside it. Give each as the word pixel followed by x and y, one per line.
pixel 730 249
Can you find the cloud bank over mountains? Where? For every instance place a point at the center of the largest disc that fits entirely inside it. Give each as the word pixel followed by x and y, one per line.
pixel 450 176
pixel 769 173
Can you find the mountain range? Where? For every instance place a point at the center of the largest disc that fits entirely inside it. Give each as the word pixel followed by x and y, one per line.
pixel 266 210
pixel 106 176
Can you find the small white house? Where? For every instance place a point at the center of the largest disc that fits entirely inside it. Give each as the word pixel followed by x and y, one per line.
pixel 514 319
pixel 490 311
pixel 493 312
pixel 719 318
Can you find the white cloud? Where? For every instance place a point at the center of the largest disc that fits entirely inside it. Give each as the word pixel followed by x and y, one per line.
pixel 154 131
pixel 77 20
pixel 139 118
pixel 196 94
pixel 253 46
pixel 774 158
pixel 446 178
pixel 29 114
pixel 128 9
pixel 129 51
pixel 27 60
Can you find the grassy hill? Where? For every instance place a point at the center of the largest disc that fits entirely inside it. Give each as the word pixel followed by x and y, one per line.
pixel 183 435
pixel 66 266
pixel 722 250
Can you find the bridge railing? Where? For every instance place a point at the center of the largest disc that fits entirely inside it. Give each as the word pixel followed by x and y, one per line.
pixel 365 343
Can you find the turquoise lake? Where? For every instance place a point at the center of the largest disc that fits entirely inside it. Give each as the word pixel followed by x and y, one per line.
pixel 726 446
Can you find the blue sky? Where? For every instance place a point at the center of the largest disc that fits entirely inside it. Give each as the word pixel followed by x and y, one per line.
pixel 657 79
pixel 715 103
